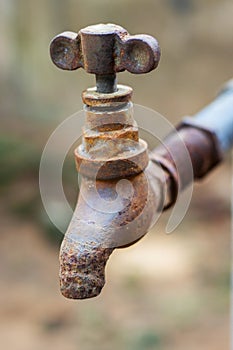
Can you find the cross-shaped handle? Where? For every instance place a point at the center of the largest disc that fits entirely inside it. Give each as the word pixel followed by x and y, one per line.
pixel 104 50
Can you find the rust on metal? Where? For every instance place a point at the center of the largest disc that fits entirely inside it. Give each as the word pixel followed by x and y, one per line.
pixel 111 150
pixel 113 155
pixel 104 49
pixel 210 150
pixel 91 97
pixel 118 116
pixel 108 133
pixel 82 267
pixel 202 146
pixel 93 234
pixel 128 164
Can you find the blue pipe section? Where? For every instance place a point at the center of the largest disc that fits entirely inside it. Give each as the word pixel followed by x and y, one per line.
pixel 218 117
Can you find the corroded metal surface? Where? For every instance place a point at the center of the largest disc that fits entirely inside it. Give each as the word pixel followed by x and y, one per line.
pixel 121 163
pixel 104 50
pixel 104 218
pixel 111 147
pixel 95 231
pixel 100 118
pixel 211 151
pixel 92 97
pixel 121 190
pixel 82 267
pixel 203 149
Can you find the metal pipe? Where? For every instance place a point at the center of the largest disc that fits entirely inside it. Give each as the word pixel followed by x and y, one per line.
pixel 218 117
pixel 207 136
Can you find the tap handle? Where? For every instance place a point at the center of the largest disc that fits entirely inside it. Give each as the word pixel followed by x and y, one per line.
pixel 104 50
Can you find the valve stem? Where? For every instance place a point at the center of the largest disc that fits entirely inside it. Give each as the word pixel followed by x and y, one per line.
pixel 106 83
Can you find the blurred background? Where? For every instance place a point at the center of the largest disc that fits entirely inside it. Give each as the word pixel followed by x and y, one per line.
pixel 166 292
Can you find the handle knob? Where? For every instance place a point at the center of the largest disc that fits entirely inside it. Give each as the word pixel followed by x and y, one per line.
pixel 104 50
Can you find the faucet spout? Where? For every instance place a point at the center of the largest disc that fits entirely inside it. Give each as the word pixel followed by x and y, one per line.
pixel 96 229
pixel 118 201
pixel 82 268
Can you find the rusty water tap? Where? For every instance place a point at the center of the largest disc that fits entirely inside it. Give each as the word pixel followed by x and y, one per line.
pixel 111 151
